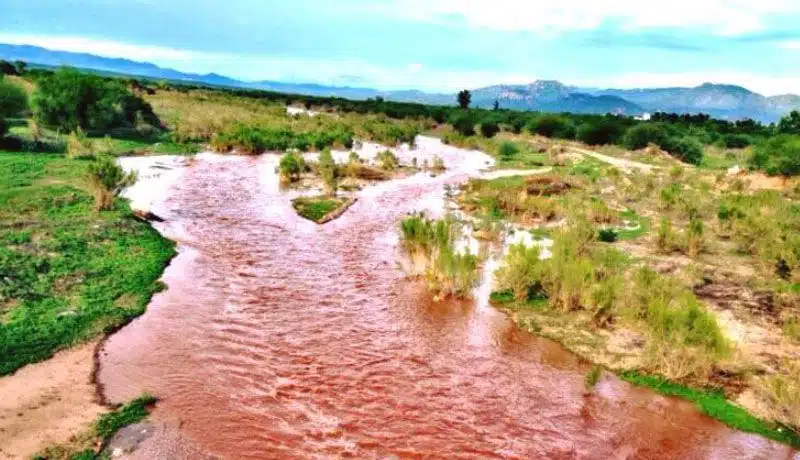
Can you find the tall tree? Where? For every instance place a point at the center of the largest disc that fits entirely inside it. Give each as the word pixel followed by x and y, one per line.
pixel 464 99
pixel 496 105
pixel 790 124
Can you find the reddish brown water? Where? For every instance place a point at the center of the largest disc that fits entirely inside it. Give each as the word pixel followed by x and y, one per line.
pixel 278 338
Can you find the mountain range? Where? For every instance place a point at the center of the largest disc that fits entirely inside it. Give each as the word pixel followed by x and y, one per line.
pixel 721 101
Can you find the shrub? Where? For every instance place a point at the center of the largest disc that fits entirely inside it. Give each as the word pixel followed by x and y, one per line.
pixel 327 170
pixel 463 123
pixel 79 146
pixel 437 165
pixel 607 235
pixel 790 124
pixel 694 237
pixel 664 239
pixel 105 180
pixel 778 156
pixel 431 247
pixel 507 150
pixel 604 132
pixel 640 136
pixel 489 129
pixel 736 141
pixel 687 149
pixel 783 392
pixel 291 166
pixel 521 271
pixel 387 160
pixel 553 126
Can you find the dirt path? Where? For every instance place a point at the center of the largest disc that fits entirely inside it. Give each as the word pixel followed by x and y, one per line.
pixel 618 162
pixel 496 174
pixel 47 403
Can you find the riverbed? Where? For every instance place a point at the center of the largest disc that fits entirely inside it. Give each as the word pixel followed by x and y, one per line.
pixel 279 338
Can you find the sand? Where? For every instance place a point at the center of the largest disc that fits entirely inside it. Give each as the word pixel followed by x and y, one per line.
pixel 47 403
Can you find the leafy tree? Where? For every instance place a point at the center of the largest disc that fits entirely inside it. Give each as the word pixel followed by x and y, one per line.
pixel 13 99
pixel 790 124
pixel 496 105
pixel 641 135
pixel 779 156
pixel 69 99
pixel 7 68
pixel 20 66
pixel 464 99
pixel 736 141
pixel 489 129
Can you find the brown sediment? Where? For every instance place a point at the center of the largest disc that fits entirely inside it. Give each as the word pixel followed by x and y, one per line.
pixel 48 403
pixel 279 338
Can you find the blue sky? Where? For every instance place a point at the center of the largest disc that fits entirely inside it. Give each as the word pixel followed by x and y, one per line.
pixel 435 45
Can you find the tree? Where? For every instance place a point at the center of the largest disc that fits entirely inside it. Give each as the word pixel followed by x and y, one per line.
pixel 327 169
pixel 464 99
pixel 790 124
pixel 553 126
pixel 69 99
pixel 496 105
pixel 13 99
pixel 489 129
pixel 603 132
pixel 7 68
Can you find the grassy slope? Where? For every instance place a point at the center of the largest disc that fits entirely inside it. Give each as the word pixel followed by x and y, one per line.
pixel 316 208
pixel 67 274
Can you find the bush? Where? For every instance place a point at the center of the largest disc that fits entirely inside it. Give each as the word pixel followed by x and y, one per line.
pixel 687 149
pixel 507 150
pixel 778 156
pixel 553 126
pixel 736 141
pixel 521 271
pixel 291 166
pixel 13 100
pixel 463 123
pixel 790 124
pixel 68 100
pixel 604 132
pixel 327 170
pixel 79 146
pixel 489 129
pixel 640 136
pixel 387 160
pixel 105 180
pixel 607 235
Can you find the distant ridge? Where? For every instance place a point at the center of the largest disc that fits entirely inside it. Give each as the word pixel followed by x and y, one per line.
pixel 721 101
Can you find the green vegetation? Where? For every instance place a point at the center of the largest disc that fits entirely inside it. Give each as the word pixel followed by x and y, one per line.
pixel 105 179
pixel 327 170
pixel 291 166
pixel 318 208
pixel 593 377
pixel 431 246
pixel 85 446
pixel 67 273
pixel 778 156
pixel 714 404
pixel 464 99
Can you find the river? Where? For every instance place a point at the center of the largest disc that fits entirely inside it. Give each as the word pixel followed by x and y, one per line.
pixel 279 338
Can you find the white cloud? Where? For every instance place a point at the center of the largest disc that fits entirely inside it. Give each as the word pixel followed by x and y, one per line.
pixel 791 45
pixel 724 17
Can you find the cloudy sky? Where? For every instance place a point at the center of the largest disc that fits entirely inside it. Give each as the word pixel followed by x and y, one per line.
pixel 434 44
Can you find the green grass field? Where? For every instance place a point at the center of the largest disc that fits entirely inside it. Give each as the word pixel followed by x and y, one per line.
pixel 67 274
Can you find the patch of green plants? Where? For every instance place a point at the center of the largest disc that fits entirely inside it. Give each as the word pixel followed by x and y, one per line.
pixel 67 273
pixel 714 404
pixel 640 226
pixel 317 208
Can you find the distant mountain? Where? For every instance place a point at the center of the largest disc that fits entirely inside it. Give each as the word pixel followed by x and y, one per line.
pixel 721 101
pixel 552 96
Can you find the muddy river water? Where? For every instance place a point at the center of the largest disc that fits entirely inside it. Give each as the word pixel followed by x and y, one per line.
pixel 279 338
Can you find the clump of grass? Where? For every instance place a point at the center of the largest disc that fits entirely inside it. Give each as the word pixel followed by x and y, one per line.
pixel 437 165
pixel 593 377
pixel 607 235
pixel 105 179
pixel 328 171
pixel 431 245
pixel 387 160
pixel 521 271
pixel 783 392
pixel 79 145
pixel 291 166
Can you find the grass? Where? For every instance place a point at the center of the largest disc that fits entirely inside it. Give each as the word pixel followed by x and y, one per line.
pixel 318 207
pixel 642 229
pixel 67 273
pixel 101 432
pixel 714 404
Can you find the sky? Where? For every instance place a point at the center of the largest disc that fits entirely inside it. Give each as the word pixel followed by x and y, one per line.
pixel 434 45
